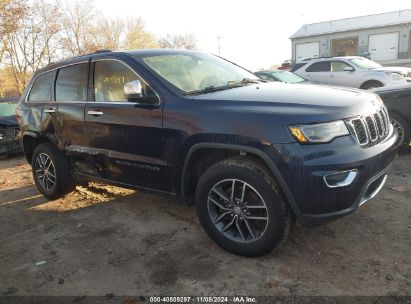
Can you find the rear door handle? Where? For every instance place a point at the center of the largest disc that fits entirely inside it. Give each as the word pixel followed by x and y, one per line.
pixel 50 110
pixel 94 112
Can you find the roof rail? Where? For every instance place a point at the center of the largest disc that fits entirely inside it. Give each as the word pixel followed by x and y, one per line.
pixel 101 51
pixel 322 57
pixel 80 55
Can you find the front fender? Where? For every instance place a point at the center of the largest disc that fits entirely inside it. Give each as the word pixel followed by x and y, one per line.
pixel 262 152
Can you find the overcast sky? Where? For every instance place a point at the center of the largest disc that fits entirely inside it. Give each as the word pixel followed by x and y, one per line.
pixel 253 33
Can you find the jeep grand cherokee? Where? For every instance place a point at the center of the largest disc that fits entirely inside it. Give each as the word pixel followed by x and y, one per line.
pixel 253 156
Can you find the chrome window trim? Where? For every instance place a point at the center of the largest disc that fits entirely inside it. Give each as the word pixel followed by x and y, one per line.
pixel 138 75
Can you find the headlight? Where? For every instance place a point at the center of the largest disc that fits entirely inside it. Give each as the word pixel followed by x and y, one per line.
pixel 2 136
pixel 319 133
pixel 395 76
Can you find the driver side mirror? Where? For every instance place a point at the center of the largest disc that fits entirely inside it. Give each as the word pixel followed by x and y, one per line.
pixel 348 69
pixel 133 90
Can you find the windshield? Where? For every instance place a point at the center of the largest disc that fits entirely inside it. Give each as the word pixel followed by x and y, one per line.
pixel 7 109
pixel 365 63
pixel 288 77
pixel 198 72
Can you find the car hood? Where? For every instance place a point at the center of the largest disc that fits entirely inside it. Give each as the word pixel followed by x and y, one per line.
pixel 401 70
pixel 299 101
pixel 8 121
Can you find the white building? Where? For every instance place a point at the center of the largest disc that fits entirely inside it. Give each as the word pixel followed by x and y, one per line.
pixel 386 37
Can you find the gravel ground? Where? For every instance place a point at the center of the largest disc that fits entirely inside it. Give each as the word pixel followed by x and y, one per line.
pixel 104 240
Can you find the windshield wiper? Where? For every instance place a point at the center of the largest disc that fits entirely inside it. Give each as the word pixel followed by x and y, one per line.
pixel 211 89
pixel 230 84
pixel 246 81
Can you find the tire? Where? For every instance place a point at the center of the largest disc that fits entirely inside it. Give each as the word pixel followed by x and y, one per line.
pixel 371 84
pixel 258 236
pixel 403 128
pixel 53 179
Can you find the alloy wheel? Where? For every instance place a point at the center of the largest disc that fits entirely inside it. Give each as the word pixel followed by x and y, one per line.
pixel 45 171
pixel 237 210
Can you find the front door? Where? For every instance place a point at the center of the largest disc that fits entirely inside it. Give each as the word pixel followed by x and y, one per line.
pixel 341 77
pixel 126 135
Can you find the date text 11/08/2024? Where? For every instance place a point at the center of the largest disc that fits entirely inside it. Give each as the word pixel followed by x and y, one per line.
pixel 203 299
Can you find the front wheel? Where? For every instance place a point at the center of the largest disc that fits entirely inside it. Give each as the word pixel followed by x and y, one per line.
pixel 240 207
pixel 371 84
pixel 51 171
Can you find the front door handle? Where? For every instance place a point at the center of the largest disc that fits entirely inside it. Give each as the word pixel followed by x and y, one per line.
pixel 50 110
pixel 94 112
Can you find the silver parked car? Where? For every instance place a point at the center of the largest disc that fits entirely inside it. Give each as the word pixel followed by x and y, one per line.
pixel 351 71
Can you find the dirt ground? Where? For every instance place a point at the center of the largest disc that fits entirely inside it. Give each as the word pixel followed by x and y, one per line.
pixel 104 240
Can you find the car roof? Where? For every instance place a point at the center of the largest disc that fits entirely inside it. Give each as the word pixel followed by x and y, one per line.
pixel 329 58
pixel 138 53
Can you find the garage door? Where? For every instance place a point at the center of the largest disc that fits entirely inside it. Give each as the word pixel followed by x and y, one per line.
pixel 384 46
pixel 306 50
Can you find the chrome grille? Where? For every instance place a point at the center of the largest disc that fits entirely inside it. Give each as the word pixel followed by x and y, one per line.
pixel 371 128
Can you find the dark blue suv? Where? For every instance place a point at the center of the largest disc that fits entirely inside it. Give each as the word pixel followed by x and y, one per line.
pixel 253 156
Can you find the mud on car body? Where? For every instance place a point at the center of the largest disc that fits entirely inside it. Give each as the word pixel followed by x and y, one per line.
pixel 253 156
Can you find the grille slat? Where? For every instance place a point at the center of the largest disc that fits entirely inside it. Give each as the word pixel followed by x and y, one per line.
pixel 372 132
pixel 371 128
pixel 378 122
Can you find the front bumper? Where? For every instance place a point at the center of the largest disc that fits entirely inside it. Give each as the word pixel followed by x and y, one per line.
pixel 10 146
pixel 369 191
pixel 303 168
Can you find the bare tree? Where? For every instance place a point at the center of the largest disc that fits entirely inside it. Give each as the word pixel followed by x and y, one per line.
pixel 179 41
pixel 79 28
pixel 33 44
pixel 11 12
pixel 37 32
pixel 136 37
pixel 109 33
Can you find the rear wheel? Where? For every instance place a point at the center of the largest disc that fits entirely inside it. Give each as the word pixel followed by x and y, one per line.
pixel 371 84
pixel 403 128
pixel 240 207
pixel 51 171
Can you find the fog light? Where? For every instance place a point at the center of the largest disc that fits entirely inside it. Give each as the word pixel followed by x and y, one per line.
pixel 340 179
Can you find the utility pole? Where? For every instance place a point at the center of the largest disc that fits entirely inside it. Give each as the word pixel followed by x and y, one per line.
pixel 219 45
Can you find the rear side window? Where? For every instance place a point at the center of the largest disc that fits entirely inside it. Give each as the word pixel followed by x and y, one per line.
pixel 42 89
pixel 297 66
pixel 71 83
pixel 323 66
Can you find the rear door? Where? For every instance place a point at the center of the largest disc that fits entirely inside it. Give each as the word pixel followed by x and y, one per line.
pixel 126 136
pixel 63 117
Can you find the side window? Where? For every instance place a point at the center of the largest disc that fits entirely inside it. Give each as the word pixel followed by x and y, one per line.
pixel 338 66
pixel 71 83
pixel 42 89
pixel 110 76
pixel 323 66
